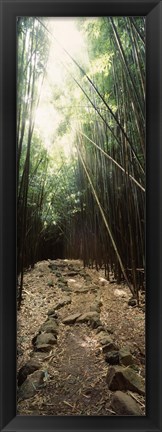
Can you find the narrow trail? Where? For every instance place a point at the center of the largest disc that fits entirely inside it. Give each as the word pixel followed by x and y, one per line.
pixel 79 383
pixel 74 366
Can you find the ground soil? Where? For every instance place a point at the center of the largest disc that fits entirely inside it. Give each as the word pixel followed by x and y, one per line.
pixel 75 368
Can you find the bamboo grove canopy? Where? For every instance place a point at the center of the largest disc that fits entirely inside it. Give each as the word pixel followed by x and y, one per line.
pixel 87 203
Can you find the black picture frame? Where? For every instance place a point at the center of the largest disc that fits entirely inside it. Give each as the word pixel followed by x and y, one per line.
pixel 152 10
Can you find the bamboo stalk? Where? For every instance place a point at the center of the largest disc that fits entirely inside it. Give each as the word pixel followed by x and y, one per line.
pixel 105 222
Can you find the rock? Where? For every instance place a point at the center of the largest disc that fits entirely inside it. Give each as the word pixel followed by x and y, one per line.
pixel 43 348
pixel 125 357
pixel 124 404
pixel 50 326
pixel 87 316
pixel 112 357
pixel 94 323
pixel 52 313
pixel 65 289
pixel 100 329
pixel 45 338
pixel 72 273
pixel 65 301
pixel 81 289
pixel 71 281
pixel 90 317
pixel 103 281
pixel 75 285
pixel 120 293
pixel 93 289
pixel 88 278
pixel 71 318
pixel 95 307
pixel 104 338
pixel 121 378
pixel 110 347
pixel 38 355
pixel 104 329
pixel 132 302
pixel 30 386
pixel 82 273
pixel 29 367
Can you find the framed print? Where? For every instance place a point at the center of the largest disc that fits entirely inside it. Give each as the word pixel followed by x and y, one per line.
pixel 81 215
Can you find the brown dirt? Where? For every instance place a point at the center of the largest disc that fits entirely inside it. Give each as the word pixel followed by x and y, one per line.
pixel 75 368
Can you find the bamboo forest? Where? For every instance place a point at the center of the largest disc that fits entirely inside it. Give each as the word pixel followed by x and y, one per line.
pixel 81 216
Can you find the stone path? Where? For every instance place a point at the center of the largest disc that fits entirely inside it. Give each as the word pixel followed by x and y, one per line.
pixel 76 366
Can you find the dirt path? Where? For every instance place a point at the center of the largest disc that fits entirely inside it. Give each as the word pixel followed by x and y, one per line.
pixel 75 368
pixel 79 378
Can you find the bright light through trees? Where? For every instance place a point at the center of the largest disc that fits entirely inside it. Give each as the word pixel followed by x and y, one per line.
pixel 64 36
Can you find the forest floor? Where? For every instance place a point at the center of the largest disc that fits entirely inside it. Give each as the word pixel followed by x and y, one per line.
pixel 75 368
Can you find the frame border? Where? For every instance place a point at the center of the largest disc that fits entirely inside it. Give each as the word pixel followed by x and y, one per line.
pixel 152 10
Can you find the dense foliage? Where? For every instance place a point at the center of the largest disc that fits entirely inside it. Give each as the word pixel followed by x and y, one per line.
pixel 91 203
